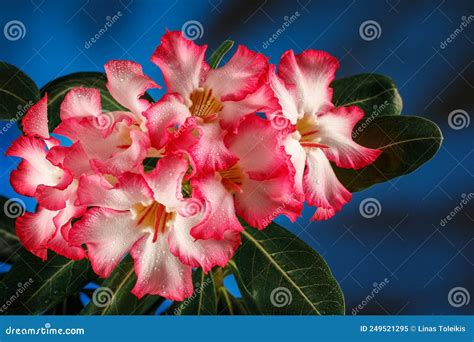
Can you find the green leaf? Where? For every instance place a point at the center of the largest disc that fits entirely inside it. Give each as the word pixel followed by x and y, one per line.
pixel 221 51
pixel 9 242
pixel 227 304
pixel 376 94
pixel 407 143
pixel 114 297
pixel 33 286
pixel 58 88
pixel 18 92
pixel 284 276
pixel 204 299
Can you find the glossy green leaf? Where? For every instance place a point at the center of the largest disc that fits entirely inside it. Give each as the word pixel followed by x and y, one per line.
pixel 18 92
pixel 58 88
pixel 407 143
pixel 34 286
pixel 114 297
pixel 284 276
pixel 204 299
pixel 376 94
pixel 221 51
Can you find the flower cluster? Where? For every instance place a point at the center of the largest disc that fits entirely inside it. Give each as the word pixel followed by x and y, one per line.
pixel 238 141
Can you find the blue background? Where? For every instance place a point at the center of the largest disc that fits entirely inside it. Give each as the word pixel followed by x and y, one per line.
pixel 405 243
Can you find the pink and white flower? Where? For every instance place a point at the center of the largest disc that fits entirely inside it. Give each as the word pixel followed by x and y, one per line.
pixel 147 216
pixel 258 187
pixel 42 173
pixel 321 133
pixel 212 101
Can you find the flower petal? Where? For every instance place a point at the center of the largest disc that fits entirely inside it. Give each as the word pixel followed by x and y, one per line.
pixel 335 130
pixel 321 186
pixel 127 83
pixel 241 76
pixel 210 153
pixel 219 209
pixel 131 189
pixel 233 112
pixel 81 102
pixel 129 158
pixel 34 169
pixel 311 72
pixel 35 230
pixel 158 271
pixel 200 253
pixel 165 180
pixel 35 121
pixel 286 95
pixel 264 199
pixel 181 62
pixel 108 234
pixel 259 147
pixel 168 114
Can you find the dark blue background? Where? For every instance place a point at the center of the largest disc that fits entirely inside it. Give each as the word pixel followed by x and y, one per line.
pixel 405 243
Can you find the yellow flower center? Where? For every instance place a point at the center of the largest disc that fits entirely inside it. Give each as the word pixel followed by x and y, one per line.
pixel 153 216
pixel 204 104
pixel 232 178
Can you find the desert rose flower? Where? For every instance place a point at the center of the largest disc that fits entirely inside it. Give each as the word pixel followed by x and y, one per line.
pixel 322 132
pixel 211 100
pixel 147 216
pixel 48 175
pixel 258 187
